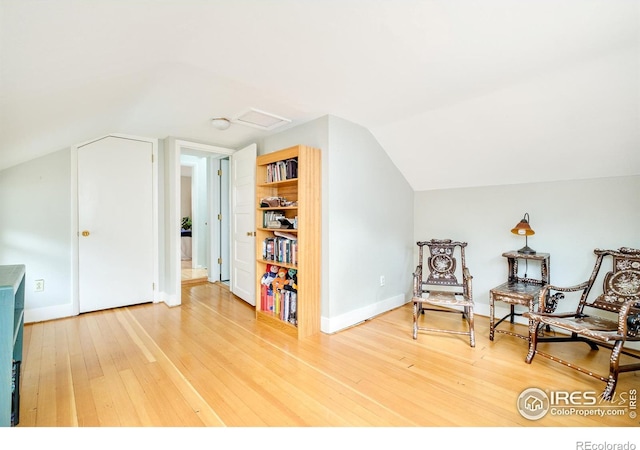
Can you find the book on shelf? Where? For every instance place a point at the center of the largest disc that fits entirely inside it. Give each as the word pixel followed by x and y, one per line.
pixel 280 250
pixel 279 293
pixel 283 304
pixel 291 166
pixel 289 309
pixel 266 290
pixel 266 299
pixel 276 219
pixel 269 217
pixel 282 170
pixel 15 393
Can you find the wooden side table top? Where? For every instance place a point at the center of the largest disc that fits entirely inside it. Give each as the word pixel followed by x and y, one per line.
pixel 516 292
pixel 535 256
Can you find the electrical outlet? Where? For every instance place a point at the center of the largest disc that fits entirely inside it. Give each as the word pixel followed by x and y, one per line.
pixel 381 280
pixel 39 287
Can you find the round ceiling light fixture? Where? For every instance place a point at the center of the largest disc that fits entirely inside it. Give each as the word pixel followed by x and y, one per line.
pixel 220 123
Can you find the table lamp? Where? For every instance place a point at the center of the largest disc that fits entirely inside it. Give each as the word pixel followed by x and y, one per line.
pixel 524 229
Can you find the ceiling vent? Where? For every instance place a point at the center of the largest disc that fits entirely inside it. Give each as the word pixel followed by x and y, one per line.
pixel 260 119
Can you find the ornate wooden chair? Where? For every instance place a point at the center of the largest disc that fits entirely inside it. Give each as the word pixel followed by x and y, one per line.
pixel 609 320
pixel 447 287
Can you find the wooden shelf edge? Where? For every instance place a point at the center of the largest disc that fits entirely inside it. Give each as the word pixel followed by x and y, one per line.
pixel 276 263
pixel 286 182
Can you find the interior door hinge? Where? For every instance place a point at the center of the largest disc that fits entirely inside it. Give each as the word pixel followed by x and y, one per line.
pixel 219 260
pixel 152 158
pixel 219 172
pixel 153 286
pixel 219 216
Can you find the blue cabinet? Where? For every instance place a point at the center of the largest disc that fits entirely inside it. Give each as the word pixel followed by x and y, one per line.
pixel 11 334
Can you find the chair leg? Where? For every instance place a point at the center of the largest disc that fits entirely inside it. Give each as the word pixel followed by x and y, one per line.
pixel 472 333
pixel 533 340
pixel 415 319
pixel 614 370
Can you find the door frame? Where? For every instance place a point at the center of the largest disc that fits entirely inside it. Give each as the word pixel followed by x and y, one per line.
pixel 75 231
pixel 171 288
pixel 224 185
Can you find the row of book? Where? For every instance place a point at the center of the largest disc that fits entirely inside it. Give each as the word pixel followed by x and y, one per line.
pixel 15 393
pixel 282 303
pixel 280 249
pixel 282 170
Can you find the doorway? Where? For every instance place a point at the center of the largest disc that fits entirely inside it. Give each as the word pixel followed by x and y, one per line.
pixel 204 199
pixel 191 273
pixel 242 246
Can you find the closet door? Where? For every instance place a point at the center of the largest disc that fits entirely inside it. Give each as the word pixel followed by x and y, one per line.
pixel 115 223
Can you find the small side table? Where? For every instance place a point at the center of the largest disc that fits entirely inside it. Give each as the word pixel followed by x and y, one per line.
pixel 517 290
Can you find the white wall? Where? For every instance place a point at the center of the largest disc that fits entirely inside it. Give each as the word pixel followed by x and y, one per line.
pixel 35 230
pixel 570 218
pixel 169 206
pixel 370 228
pixel 366 226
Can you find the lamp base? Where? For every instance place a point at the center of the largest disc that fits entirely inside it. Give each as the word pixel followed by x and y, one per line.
pixel 526 250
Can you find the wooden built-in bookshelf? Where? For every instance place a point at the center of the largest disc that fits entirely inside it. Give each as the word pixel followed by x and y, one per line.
pixel 297 250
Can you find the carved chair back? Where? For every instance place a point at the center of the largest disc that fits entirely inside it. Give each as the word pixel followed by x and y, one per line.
pixel 620 288
pixel 441 268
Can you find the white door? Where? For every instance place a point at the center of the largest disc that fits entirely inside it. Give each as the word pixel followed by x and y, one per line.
pixel 115 223
pixel 243 254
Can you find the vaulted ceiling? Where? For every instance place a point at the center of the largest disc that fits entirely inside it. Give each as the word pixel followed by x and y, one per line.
pixel 495 91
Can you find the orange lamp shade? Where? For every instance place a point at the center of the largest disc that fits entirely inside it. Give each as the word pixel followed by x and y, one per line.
pixel 524 229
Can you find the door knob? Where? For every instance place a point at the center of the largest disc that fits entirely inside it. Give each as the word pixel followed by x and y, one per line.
pixel 85 233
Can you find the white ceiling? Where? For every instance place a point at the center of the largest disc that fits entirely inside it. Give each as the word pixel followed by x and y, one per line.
pixel 495 91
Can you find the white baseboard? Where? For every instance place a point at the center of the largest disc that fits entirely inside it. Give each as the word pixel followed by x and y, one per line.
pixel 34 315
pixel 357 316
pixel 169 299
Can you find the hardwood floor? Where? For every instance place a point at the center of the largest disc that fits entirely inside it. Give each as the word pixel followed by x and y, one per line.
pixel 190 276
pixel 208 363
